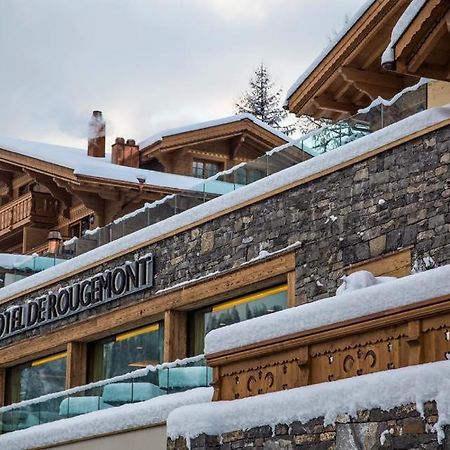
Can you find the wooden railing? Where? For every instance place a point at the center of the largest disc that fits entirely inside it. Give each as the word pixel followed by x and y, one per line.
pixel 396 338
pixel 34 207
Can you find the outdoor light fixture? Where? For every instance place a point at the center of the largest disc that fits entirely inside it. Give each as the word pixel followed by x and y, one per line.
pixel 54 239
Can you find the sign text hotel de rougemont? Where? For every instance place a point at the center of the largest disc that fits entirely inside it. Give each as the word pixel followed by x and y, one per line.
pixel 79 296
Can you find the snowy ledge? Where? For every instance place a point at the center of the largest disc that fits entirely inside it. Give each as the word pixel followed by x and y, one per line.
pixel 333 310
pixel 278 181
pixel 112 420
pixel 385 390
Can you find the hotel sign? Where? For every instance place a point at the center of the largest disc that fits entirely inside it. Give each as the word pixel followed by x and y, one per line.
pixel 83 295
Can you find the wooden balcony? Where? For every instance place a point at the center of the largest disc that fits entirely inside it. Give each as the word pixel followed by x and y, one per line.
pixel 399 337
pixel 32 208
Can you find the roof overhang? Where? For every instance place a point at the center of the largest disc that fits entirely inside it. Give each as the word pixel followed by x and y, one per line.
pixel 350 75
pixel 261 136
pixel 423 46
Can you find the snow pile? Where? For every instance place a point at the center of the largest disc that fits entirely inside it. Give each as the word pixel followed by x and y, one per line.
pixel 348 26
pixel 385 390
pixel 381 101
pixel 286 177
pixel 397 32
pixel 209 124
pixel 333 310
pixel 12 261
pixel 111 420
pixel 359 280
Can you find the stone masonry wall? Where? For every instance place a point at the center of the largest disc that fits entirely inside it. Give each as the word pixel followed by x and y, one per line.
pixel 339 219
pixel 400 428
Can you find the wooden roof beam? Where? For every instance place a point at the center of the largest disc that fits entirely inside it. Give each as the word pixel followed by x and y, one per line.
pixel 326 103
pixel 235 145
pixel 374 91
pixel 391 80
pixel 5 167
pixel 440 31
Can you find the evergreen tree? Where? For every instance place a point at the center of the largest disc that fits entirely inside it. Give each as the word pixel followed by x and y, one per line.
pixel 263 100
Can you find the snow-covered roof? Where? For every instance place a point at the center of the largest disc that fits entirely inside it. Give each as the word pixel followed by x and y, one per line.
pixel 209 124
pixel 385 390
pixel 276 181
pixel 348 305
pixel 360 12
pixel 400 27
pixel 106 421
pixel 77 160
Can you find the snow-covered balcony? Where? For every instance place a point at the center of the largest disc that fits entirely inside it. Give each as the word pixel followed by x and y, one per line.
pixel 383 326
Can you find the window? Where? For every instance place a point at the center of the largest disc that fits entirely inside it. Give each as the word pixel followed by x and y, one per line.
pixel 205 169
pixel 233 311
pixel 126 352
pixel 40 377
pixel 77 229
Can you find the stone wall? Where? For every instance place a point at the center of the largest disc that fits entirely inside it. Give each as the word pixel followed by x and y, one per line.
pixel 339 219
pixel 400 428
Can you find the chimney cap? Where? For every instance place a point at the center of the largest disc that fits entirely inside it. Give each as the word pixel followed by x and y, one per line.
pixel 131 142
pixel 97 113
pixel 120 140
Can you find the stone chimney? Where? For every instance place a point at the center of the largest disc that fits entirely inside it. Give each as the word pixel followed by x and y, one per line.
pixel 96 136
pixel 125 153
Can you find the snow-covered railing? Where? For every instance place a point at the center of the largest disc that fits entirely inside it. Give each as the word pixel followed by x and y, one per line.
pixel 142 384
pixel 390 324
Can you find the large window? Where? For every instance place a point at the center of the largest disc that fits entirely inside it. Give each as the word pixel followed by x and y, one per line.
pixel 39 377
pixel 205 169
pixel 125 352
pixel 233 311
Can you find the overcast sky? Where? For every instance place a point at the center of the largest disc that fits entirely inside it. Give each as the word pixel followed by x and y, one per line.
pixel 147 64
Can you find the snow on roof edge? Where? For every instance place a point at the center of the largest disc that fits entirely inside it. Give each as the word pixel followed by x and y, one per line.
pixel 385 390
pixel 209 124
pixel 400 27
pixel 105 421
pixel 266 185
pixel 332 310
pixel 324 53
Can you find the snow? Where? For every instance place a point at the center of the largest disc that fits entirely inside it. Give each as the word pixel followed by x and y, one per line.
pixel 27 263
pixel 77 160
pixel 209 124
pixel 384 390
pixel 333 310
pixel 284 178
pixel 400 27
pixel 111 420
pixel 381 202
pixel 360 280
pixel 328 49
pixel 381 101
pixel 11 261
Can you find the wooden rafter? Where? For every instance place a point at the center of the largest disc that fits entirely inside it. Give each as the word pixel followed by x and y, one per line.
pixel 391 80
pixel 329 104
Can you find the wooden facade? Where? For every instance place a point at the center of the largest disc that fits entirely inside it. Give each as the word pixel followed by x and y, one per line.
pixel 37 196
pixel 423 49
pixel 399 337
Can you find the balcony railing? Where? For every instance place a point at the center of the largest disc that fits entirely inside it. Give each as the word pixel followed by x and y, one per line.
pixel 34 207
pixel 139 385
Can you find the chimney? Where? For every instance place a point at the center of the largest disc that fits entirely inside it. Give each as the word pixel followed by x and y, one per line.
pixel 96 137
pixel 125 153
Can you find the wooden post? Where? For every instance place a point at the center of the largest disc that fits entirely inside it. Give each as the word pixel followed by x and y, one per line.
pixel 175 335
pixel 291 289
pixel 76 364
pixel 2 386
pixel 414 341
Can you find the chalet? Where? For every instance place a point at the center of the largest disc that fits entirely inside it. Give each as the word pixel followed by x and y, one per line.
pixel 47 187
pixel 314 300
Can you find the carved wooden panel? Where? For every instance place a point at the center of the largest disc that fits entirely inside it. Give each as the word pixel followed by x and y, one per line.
pixel 262 375
pixel 289 363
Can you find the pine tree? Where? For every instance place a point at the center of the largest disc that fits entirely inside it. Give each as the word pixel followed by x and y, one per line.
pixel 263 100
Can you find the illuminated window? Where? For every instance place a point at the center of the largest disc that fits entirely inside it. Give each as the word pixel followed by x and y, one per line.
pixel 205 169
pixel 233 311
pixel 39 377
pixel 126 352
